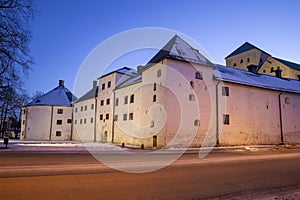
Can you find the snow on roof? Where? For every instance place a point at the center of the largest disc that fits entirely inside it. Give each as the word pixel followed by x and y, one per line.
pixel 59 96
pixel 228 74
pixel 179 49
pixel 124 70
pixel 127 71
pixel 130 81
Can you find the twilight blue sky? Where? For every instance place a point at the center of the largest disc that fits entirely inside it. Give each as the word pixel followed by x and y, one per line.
pixel 66 31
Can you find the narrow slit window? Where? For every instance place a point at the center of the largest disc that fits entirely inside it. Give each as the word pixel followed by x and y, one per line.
pixel 226 119
pixel 225 91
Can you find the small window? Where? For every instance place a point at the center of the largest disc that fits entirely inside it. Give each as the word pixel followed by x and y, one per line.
pixel 75 122
pixel 192 84
pixel 298 77
pixel 234 64
pixel 24 111
pixel 116 118
pixel 84 121
pixel 126 100
pixel 101 117
pixel 101 102
pixel 154 87
pixel 225 91
pixel 85 108
pixel 241 61
pixel 192 97
pixel 69 121
pixel 58 133
pixel 264 71
pixel 197 122
pixel 107 101
pixel 198 75
pixel 81 109
pixel 117 101
pixel 59 122
pixel 107 116
pixel 287 100
pixel 92 106
pixel 158 73
pixel 225 119
pixel 272 70
pixel 76 110
pixel 103 86
pixel 92 120
pixel 132 98
pixel 154 98
pixel 124 117
pixel 108 84
pixel 80 121
pixel 130 116
pixel 248 59
pixel 23 122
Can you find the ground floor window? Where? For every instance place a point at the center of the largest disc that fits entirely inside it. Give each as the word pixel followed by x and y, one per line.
pixel 58 133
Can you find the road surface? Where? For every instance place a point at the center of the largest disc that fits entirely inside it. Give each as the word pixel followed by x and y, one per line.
pixel 271 174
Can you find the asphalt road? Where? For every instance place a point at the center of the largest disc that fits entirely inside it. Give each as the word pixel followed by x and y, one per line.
pixel 221 175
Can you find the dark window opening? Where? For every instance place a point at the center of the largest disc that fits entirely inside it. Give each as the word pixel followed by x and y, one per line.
pixel 69 121
pixel 130 116
pixel 198 75
pixel 59 122
pixel 108 84
pixel 154 98
pixel 225 91
pixel 132 98
pixel 58 133
pixel 225 119
pixel 60 111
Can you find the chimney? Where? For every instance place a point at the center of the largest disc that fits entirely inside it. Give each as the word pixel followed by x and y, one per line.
pixel 94 84
pixel 61 83
pixel 252 68
pixel 278 72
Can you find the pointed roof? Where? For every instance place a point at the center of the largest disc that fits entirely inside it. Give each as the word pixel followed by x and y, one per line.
pixel 179 49
pixel 243 48
pixel 59 96
pixel 93 93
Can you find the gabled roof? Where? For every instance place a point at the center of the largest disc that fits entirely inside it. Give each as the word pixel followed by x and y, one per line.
pixel 243 48
pixel 289 64
pixel 179 49
pixel 93 93
pixel 59 96
pixel 233 75
pixel 124 70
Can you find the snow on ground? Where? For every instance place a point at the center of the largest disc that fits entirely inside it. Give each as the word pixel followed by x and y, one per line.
pixel 57 146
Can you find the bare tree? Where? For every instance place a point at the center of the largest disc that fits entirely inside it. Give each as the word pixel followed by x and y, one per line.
pixel 16 17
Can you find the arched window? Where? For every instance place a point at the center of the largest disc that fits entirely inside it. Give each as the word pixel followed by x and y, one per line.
pixel 234 64
pixel 158 73
pixel 192 97
pixel 198 75
pixel 241 61
pixel 132 98
pixel 192 84
pixel 197 122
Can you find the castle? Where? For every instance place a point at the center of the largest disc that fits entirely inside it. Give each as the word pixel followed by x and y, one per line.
pixel 179 99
